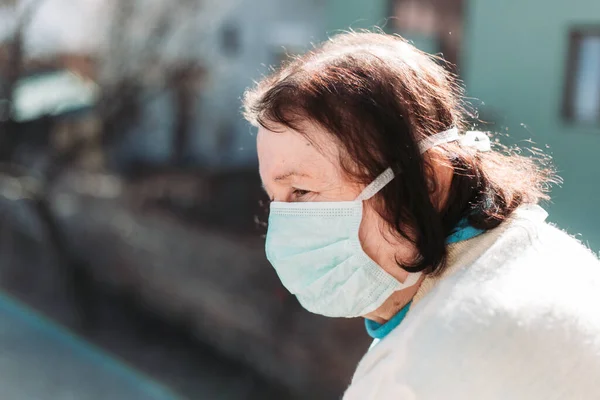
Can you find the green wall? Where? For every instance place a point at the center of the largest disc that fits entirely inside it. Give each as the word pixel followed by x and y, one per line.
pixel 355 14
pixel 514 60
pixel 365 14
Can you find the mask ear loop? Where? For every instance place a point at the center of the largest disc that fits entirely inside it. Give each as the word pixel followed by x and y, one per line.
pixel 374 187
pixel 451 135
pixel 478 140
pixel 386 177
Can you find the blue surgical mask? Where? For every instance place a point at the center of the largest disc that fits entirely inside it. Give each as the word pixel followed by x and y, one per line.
pixel 315 249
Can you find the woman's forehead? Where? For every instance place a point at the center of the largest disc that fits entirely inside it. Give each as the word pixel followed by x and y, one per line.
pixel 287 153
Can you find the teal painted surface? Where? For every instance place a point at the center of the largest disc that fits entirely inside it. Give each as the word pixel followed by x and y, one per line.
pixel 514 60
pixel 41 360
pixel 343 15
pixel 356 14
pixel 424 43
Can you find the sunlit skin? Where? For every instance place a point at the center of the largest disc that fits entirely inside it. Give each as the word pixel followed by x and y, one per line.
pixel 296 169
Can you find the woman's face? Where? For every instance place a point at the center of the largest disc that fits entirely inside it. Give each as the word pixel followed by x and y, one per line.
pixel 294 169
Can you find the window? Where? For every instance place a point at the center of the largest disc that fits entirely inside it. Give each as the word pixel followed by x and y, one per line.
pixel 582 94
pixel 230 39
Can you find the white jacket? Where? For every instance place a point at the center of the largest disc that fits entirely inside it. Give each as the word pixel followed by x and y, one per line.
pixel 516 316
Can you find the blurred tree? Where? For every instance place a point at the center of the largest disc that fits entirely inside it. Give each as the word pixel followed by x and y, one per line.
pixel 143 47
pixel 35 189
pixel 13 67
pixel 155 44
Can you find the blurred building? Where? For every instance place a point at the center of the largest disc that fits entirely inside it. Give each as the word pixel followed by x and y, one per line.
pixel 250 36
pixel 532 69
pixel 193 61
pixel 536 66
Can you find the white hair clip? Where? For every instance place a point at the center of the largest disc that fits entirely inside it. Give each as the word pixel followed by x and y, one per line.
pixel 478 140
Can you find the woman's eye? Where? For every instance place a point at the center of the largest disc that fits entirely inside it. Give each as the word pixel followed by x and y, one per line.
pixel 300 192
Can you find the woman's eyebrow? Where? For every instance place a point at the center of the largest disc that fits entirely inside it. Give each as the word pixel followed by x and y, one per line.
pixel 288 175
pixel 283 177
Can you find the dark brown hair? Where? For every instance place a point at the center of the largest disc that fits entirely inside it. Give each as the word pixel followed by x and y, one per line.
pixel 377 96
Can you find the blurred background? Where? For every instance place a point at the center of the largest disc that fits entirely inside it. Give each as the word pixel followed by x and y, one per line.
pixel 131 247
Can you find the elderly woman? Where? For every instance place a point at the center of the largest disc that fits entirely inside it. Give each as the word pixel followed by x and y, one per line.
pixel 384 208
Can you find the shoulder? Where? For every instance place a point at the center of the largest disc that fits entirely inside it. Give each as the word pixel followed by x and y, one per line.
pixel 526 348
pixel 522 322
pixel 514 339
pixel 526 309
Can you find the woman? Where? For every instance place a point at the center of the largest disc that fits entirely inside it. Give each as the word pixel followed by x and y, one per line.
pixel 382 208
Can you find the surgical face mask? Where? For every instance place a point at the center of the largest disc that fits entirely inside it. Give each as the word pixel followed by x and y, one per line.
pixel 315 250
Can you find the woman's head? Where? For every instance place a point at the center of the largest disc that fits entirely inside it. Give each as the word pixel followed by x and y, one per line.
pixel 334 119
